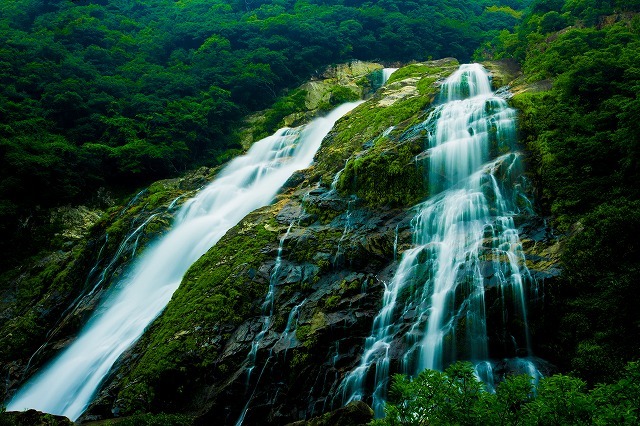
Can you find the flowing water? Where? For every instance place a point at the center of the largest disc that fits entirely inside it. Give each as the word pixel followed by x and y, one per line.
pixel 267 306
pixel 386 73
pixel 465 248
pixel 67 385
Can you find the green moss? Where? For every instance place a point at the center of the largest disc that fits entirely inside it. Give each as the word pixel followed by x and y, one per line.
pixel 323 241
pixel 386 177
pixel 219 289
pixel 414 70
pixel 324 214
pixel 332 301
pixel 307 333
pixel 368 121
pixel 303 333
pixel 341 94
pixel 298 360
pixel 148 419
pixel 426 86
pixel 38 295
pixel 350 287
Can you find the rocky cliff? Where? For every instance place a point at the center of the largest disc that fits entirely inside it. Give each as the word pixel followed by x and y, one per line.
pixel 327 246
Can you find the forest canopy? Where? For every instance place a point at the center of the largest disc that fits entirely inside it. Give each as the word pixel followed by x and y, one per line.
pixel 583 141
pixel 118 93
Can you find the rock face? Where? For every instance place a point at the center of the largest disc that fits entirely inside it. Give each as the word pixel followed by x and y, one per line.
pixel 33 418
pixel 325 252
pixel 356 413
pixel 337 84
pixel 47 299
pixel 325 247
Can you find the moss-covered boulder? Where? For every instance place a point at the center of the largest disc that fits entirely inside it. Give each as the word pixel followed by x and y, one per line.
pixel 372 145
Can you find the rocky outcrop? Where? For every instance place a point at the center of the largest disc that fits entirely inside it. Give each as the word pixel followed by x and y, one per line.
pixel 328 286
pixel 337 84
pixel 356 413
pixel 33 418
pixel 47 299
pixel 341 233
pixel 337 251
pixel 327 246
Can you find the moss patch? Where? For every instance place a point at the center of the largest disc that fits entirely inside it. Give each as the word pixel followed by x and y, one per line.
pixel 415 71
pixel 218 291
pixel 386 176
pixel 400 103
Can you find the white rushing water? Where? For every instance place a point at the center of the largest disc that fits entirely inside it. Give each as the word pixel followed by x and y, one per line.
pixel 464 243
pixel 67 385
pixel 386 73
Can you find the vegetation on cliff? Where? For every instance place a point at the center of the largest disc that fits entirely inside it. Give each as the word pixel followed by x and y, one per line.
pixel 119 93
pixel 579 120
pixel 456 396
pixel 194 357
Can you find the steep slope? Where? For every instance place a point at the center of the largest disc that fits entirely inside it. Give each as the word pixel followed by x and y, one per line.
pixel 47 299
pixel 336 251
pixel 579 108
pixel 266 325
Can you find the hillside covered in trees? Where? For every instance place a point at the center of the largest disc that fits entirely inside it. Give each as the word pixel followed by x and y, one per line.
pixel 115 94
pixel 99 99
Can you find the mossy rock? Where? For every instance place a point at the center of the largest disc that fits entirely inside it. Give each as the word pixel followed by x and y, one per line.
pixel 32 418
pixel 368 137
pixel 356 413
pixel 503 72
pixel 387 176
pixel 219 291
pixel 338 84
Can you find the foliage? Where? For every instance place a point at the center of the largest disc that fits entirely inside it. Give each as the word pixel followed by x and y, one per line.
pixel 148 419
pixel 455 396
pixel 121 93
pixel 5 420
pixel 583 136
pixel 434 397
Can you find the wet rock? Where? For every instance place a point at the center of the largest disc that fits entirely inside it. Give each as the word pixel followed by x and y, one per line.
pixel 356 413
pixel 33 418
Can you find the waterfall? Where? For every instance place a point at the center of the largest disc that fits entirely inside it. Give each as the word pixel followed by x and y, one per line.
pixel 67 385
pixel 267 306
pixel 465 247
pixel 386 73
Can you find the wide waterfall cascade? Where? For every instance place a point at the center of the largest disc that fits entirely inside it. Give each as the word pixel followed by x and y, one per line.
pixel 465 249
pixel 67 385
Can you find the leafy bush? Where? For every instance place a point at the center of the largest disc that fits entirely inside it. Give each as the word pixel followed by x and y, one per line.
pixel 456 396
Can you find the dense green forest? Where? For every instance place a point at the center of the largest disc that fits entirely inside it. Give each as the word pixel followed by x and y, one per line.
pixel 116 94
pixel 106 96
pixel 584 142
